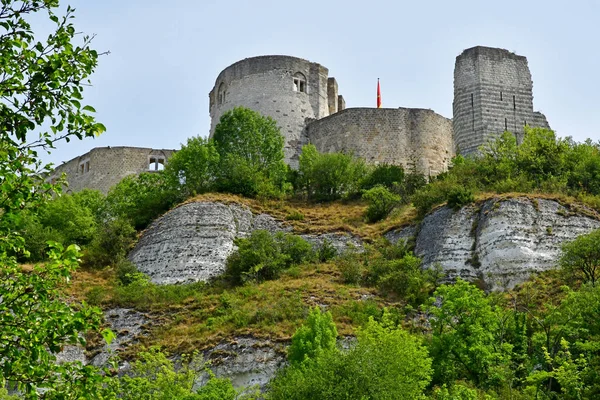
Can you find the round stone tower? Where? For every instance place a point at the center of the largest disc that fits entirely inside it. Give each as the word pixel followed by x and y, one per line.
pixel 290 90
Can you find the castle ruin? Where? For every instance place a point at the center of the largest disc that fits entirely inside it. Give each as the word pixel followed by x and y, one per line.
pixel 493 93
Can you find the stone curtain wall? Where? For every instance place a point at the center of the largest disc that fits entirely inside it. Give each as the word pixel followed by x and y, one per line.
pixel 107 167
pixel 409 137
pixel 265 84
pixel 492 93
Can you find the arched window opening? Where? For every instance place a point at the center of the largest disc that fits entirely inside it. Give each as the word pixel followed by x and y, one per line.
pixel 299 82
pixel 156 163
pixel 221 93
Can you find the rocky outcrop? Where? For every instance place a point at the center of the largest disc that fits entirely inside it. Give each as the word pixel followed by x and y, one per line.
pixel 127 325
pixel 500 241
pixel 246 361
pixel 192 242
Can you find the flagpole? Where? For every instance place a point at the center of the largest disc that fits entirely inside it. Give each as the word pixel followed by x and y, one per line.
pixel 378 94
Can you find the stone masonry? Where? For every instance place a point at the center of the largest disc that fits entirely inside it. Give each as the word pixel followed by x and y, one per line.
pixel 290 90
pixel 104 167
pixel 493 93
pixel 414 138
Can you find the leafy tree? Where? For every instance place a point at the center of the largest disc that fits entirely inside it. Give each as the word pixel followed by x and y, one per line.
pixel 41 85
pixel 192 168
pixel 582 256
pixel 386 175
pixel 329 176
pixel 141 198
pixel 250 147
pixel 317 334
pixel 381 202
pixel 154 377
pixel 464 342
pixel 110 245
pixel 385 363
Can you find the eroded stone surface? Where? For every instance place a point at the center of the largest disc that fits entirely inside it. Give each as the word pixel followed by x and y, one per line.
pixel 246 361
pixel 500 241
pixel 127 325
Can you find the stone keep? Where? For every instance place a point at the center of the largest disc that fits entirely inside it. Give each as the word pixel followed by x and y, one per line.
pixel 290 90
pixel 493 93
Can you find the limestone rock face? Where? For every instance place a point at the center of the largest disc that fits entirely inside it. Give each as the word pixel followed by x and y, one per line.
pixel 246 361
pixel 192 242
pixel 499 241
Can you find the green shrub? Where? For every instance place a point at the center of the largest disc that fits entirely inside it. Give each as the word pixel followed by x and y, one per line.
pixel 393 268
pixel 111 244
pixel 329 176
pixel 381 202
pixel 295 216
pixel 385 363
pixel 386 175
pixel 318 334
pixel 141 198
pixel 351 268
pixel 459 197
pixel 126 272
pixel 326 251
pixel 263 256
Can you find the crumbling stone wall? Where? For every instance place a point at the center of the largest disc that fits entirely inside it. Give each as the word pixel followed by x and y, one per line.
pixel 493 93
pixel 266 84
pixel 104 167
pixel 413 138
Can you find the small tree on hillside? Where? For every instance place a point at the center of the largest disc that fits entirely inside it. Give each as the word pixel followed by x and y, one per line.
pixel 250 147
pixel 582 257
pixel 192 168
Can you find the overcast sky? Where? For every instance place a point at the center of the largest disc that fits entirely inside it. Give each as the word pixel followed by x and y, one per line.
pixel 152 90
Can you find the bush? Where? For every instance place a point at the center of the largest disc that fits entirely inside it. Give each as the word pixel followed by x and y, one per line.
pixel 386 363
pixel 459 197
pixel 126 272
pixel 389 176
pixel 263 256
pixel 295 216
pixel 330 176
pixel 326 251
pixel 192 168
pixel 141 198
pixel 351 268
pixel 393 268
pixel 381 203
pixel 111 243
pixel 316 335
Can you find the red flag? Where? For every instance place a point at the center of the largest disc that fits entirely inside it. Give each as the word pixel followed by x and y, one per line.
pixel 378 94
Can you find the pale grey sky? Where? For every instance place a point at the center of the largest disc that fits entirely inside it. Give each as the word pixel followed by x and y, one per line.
pixel 152 90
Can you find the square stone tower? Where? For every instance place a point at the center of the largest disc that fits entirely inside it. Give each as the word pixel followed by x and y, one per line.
pixel 493 93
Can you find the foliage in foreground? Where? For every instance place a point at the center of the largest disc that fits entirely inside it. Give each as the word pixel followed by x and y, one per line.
pixel 41 88
pixel 370 369
pixel 154 376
